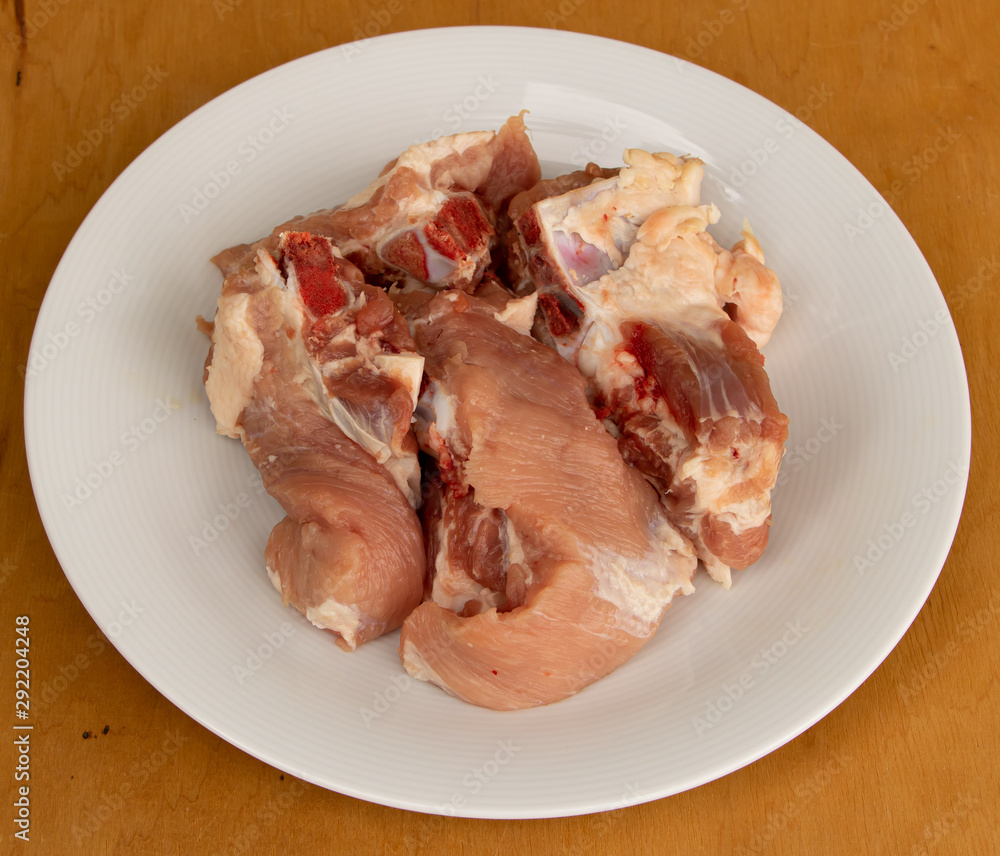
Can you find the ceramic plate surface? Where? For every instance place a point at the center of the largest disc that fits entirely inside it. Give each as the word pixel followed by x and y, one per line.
pixel 160 525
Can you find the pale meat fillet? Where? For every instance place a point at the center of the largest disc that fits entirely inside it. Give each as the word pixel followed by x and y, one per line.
pixel 685 387
pixel 349 555
pixel 508 418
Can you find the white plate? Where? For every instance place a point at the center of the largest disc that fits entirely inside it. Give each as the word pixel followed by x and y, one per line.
pixel 875 472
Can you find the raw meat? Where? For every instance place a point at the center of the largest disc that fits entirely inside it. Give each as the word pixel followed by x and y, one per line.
pixel 433 212
pixel 684 386
pixel 293 357
pixel 596 562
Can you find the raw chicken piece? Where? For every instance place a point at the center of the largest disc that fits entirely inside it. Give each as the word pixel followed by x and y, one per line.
pixel 581 234
pixel 349 555
pixel 361 350
pixel 570 231
pixel 433 211
pixel 575 237
pixel 685 387
pixel 508 418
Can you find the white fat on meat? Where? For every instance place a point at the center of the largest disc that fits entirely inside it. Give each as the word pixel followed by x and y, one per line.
pixel 421 159
pixel 237 358
pixel 416 665
pixel 652 284
pixel 342 618
pixel 668 282
pixel 639 588
pixel 519 313
pixel 453 589
pixel 408 369
pixel 589 230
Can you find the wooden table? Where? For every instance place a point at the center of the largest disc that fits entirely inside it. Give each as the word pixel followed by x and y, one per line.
pixel 908 764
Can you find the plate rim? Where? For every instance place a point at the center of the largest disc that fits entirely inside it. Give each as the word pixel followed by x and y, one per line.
pixel 64 554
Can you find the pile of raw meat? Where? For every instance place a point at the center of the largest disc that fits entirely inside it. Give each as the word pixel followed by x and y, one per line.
pixel 507 414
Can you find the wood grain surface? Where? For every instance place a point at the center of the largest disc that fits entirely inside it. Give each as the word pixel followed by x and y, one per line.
pixel 908 764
